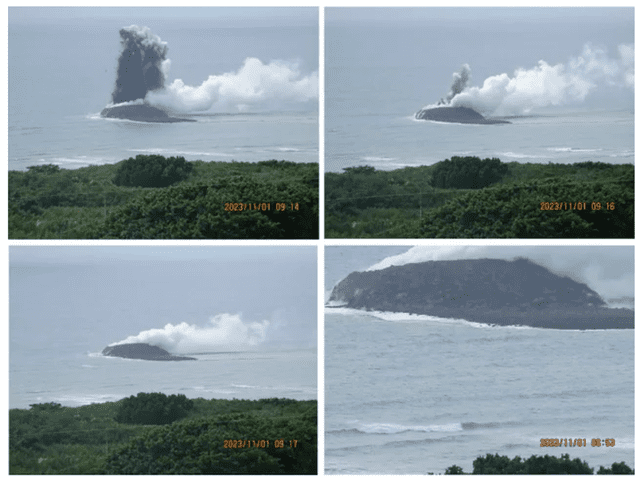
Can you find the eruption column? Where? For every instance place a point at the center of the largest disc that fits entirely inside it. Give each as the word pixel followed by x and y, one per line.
pixel 140 65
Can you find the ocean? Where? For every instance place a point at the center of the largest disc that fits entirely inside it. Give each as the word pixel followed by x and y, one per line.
pixel 417 394
pixel 230 308
pixel 62 71
pixel 384 65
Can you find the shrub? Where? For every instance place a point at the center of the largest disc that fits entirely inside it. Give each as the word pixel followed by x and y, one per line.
pixel 616 469
pixel 534 465
pixel 468 172
pixel 225 444
pixel 152 171
pixel 153 409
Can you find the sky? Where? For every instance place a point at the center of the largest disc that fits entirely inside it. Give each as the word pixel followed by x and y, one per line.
pixel 187 299
pixel 492 41
pixel 229 17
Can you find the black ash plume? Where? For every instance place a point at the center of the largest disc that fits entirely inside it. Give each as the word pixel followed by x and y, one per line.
pixel 140 65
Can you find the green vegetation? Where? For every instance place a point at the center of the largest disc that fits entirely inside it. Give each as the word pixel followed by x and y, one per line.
pixel 267 436
pixel 152 171
pixel 467 173
pixel 581 200
pixel 153 409
pixel 536 465
pixel 264 200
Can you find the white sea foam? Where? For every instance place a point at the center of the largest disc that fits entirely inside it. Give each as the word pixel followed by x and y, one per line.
pixel 168 152
pixel 568 149
pixel 378 158
pixel 406 317
pixel 393 428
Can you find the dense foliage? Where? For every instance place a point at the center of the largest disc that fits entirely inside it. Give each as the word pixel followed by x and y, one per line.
pixel 152 171
pixel 593 200
pixel 200 211
pixel 197 446
pixel 153 409
pixel 514 210
pixel 51 439
pixel 467 172
pixel 536 465
pixel 269 199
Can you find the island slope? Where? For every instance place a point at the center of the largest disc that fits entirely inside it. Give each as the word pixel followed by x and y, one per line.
pixel 145 113
pixel 142 352
pixel 490 291
pixel 455 114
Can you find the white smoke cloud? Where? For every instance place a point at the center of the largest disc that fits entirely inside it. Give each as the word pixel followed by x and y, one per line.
pixel 546 85
pixel 608 271
pixel 254 84
pixel 224 333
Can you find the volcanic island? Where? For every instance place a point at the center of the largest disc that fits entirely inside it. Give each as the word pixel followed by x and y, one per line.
pixel 489 291
pixel 455 114
pixel 144 112
pixel 142 352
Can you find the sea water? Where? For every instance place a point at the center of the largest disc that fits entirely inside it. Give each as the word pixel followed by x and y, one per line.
pixel 416 396
pixel 61 75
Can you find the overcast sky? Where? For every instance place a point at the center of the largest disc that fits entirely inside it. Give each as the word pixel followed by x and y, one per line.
pixel 491 40
pixel 212 16
pixel 126 290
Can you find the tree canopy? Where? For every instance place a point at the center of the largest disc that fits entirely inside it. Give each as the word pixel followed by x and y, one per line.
pixel 468 172
pixel 153 171
pixel 153 409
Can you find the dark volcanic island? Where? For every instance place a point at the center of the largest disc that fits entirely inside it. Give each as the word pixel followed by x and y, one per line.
pixel 142 352
pixel 455 114
pixel 140 71
pixel 490 291
pixel 146 113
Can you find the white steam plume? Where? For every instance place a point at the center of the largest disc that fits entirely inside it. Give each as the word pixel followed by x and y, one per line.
pixel 545 85
pixel 606 271
pixel 254 84
pixel 224 333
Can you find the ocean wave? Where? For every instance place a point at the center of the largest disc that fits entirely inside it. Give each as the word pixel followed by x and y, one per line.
pixel 79 400
pixel 396 428
pixel 174 152
pixel 378 158
pixel 510 154
pixel 407 317
pixel 623 154
pixel 568 149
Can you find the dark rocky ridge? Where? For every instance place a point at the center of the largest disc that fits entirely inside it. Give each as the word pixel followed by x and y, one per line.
pixel 146 113
pixel 491 291
pixel 142 352
pixel 455 114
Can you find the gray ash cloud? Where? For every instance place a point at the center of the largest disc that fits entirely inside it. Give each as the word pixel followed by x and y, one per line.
pixel 140 65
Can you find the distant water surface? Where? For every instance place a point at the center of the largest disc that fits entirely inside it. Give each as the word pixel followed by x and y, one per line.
pixel 416 397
